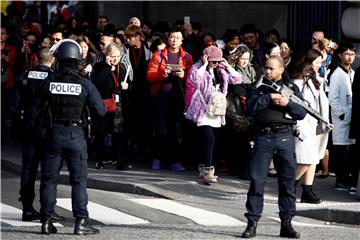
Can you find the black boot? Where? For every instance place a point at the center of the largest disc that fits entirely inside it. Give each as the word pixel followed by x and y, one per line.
pixel 30 214
pixel 308 196
pixel 47 226
pixel 83 227
pixel 287 230
pixel 250 230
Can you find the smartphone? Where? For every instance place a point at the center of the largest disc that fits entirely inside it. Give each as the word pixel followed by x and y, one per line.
pixel 25 44
pixel 186 20
pixel 174 67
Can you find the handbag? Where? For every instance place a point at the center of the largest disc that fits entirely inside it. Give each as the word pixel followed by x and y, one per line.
pixel 110 104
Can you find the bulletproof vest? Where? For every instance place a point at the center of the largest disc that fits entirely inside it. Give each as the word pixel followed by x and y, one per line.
pixel 273 115
pixel 32 94
pixel 65 96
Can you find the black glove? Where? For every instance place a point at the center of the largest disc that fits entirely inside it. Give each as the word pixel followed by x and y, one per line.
pixel 342 116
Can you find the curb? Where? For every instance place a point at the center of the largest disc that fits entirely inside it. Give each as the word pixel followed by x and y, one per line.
pixel 332 215
pixel 140 189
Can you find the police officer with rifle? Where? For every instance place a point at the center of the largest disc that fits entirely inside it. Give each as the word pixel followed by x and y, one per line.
pixel 68 93
pixel 274 116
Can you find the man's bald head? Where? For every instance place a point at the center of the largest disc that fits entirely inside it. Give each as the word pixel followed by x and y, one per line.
pixel 44 56
pixel 278 59
pixel 274 67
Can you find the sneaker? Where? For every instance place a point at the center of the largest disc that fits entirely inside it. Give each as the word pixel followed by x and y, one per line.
pixel 353 191
pixel 177 167
pixel 156 164
pixel 272 172
pixel 99 165
pixel 341 187
pixel 124 167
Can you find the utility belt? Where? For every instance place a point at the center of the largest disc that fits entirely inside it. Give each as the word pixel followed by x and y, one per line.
pixel 273 129
pixel 68 122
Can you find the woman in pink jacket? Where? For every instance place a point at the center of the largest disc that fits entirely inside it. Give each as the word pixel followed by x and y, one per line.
pixel 211 74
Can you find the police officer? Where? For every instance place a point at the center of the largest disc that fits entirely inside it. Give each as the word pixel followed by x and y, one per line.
pixel 274 116
pixel 68 93
pixel 29 102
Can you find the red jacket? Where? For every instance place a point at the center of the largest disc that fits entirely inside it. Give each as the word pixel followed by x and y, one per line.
pixel 8 55
pixel 155 71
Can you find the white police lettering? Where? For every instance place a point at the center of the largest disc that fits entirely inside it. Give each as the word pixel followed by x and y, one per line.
pixel 37 75
pixel 65 88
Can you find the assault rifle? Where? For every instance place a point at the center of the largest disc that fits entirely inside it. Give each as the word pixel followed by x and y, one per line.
pixel 287 92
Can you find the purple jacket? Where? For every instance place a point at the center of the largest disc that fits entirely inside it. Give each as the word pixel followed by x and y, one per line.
pixel 200 81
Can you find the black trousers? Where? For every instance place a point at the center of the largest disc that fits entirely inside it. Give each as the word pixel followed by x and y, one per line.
pixel 32 155
pixel 279 146
pixel 346 167
pixel 168 120
pixel 208 137
pixel 65 142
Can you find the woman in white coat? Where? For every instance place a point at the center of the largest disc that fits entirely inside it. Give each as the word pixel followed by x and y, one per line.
pixel 312 135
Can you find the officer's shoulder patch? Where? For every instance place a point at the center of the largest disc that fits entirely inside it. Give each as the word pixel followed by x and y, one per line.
pixel 37 75
pixel 65 88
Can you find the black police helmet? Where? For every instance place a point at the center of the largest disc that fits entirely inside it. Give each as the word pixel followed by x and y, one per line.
pixel 67 49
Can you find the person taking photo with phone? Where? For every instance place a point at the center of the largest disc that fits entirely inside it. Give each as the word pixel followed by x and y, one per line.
pixel 167 84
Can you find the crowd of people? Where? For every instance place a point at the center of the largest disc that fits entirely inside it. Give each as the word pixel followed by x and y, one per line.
pixel 179 97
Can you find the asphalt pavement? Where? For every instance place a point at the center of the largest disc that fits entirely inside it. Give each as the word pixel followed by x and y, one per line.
pixel 337 206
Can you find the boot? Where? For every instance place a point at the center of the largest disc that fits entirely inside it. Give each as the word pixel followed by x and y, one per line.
pixel 308 196
pixel 287 230
pixel 30 214
pixel 250 230
pixel 208 173
pixel 83 227
pixel 201 171
pixel 47 226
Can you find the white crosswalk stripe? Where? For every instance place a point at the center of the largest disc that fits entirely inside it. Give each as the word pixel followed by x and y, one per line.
pixel 105 215
pixel 12 216
pixel 200 216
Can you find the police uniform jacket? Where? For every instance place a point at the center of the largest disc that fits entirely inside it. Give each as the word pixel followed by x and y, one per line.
pixel 69 93
pixel 30 98
pixel 259 105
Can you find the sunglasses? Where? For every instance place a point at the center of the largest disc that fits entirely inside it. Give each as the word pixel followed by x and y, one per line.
pixel 214 62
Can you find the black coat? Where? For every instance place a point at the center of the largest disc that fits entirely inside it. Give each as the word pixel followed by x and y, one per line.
pixel 355 117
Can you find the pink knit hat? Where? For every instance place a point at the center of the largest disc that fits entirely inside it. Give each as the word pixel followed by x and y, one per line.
pixel 215 54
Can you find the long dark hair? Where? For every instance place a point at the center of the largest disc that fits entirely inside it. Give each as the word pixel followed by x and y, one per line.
pixel 304 69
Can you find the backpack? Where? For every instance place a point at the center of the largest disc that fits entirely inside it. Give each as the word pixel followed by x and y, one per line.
pixel 217 104
pixel 236 117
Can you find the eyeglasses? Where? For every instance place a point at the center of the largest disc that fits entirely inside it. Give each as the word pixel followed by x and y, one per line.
pixel 215 62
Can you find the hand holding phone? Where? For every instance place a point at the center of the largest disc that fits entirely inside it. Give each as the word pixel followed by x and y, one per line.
pixel 174 67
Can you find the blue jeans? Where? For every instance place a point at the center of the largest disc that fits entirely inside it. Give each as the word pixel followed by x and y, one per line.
pixel 279 146
pixel 67 143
